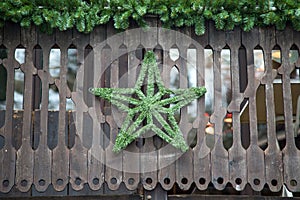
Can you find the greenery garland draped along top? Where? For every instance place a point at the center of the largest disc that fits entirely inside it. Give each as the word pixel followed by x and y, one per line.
pixel 147 111
pixel 84 15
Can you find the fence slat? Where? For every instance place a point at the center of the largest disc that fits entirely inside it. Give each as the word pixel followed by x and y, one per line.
pixel 131 158
pixel 90 167
pixel 8 152
pixel 255 155
pixel 237 153
pixel 184 178
pixel 202 162
pixel 114 164
pixel 219 155
pixel 96 153
pixel 149 153
pixel 60 173
pixel 42 155
pixel 273 157
pixel 166 157
pixel 78 153
pixel 25 159
pixel 291 154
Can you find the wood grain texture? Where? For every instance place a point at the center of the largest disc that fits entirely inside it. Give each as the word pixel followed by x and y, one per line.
pixel 202 156
pixel 79 152
pixel 60 174
pixel 36 142
pixel 237 153
pixel 184 178
pixel 25 155
pixel 291 154
pixel 8 152
pixel 255 155
pixel 167 157
pixel 42 155
pixel 219 155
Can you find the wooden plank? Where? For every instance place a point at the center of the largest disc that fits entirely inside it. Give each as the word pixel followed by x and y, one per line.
pixel 113 170
pixel 237 154
pixel 202 163
pixel 60 170
pixel 25 155
pixel 255 155
pixel 273 156
pixel 96 157
pixel 95 153
pixel 219 155
pixel 128 62
pixel 78 159
pixel 114 165
pixel 184 163
pixel 166 155
pixel 78 153
pixel 42 155
pixel 8 152
pixel 291 154
pixel 148 151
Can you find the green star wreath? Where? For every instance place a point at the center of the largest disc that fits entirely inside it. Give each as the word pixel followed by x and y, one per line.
pixel 149 106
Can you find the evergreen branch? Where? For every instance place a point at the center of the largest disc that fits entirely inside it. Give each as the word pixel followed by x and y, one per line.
pixel 86 14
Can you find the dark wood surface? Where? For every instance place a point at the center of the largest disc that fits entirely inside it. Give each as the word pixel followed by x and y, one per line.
pixel 45 153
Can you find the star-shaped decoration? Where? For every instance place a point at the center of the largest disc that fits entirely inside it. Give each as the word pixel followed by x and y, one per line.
pixel 149 110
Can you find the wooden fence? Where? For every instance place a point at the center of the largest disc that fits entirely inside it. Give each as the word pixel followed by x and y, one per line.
pixel 72 149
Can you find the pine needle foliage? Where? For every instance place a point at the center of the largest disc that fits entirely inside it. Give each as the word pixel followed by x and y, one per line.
pixel 84 15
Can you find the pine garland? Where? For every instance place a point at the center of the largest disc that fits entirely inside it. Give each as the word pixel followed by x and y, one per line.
pixel 149 105
pixel 86 14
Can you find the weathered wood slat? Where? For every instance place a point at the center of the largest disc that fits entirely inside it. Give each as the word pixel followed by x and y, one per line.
pixel 237 153
pixel 184 178
pixel 166 157
pixel 131 159
pixel 149 153
pixel 202 164
pixel 291 154
pixel 78 153
pixel 273 157
pixel 42 155
pixel 60 174
pixel 219 155
pixel 96 155
pixel 25 159
pixel 255 155
pixel 8 152
pixel 113 161
pixel 114 165
pixel 96 152
pixel 91 164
